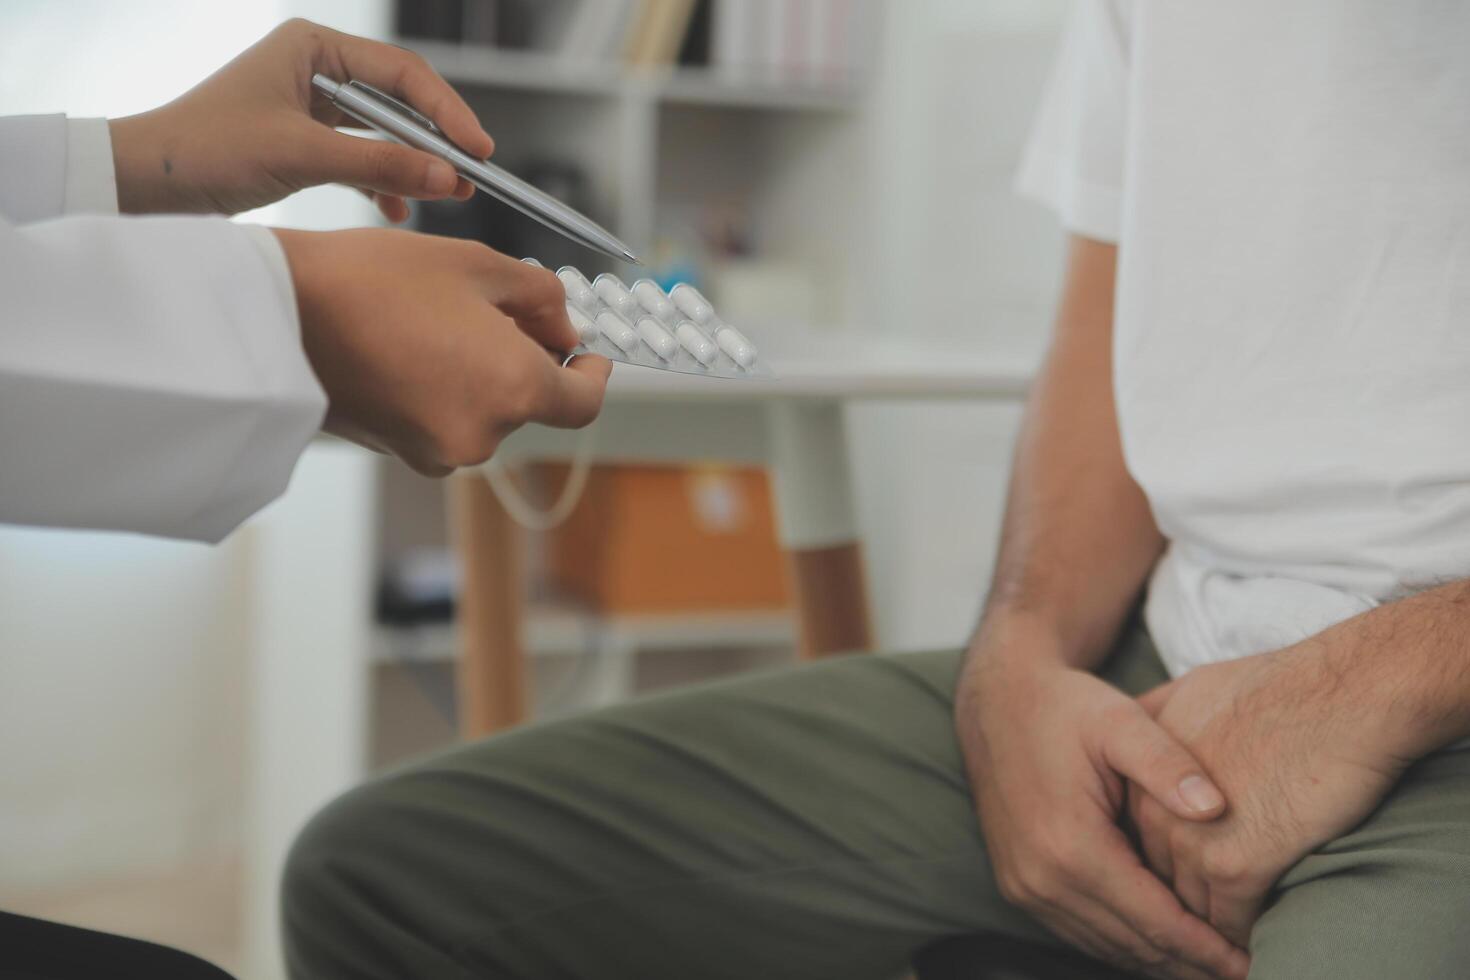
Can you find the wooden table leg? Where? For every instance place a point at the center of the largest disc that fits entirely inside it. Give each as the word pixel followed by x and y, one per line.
pixel 818 526
pixel 493 677
pixel 831 599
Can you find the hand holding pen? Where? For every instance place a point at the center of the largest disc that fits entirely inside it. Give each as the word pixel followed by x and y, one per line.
pixel 256 131
pixel 431 349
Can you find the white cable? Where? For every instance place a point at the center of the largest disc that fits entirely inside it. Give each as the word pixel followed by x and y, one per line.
pixel 521 510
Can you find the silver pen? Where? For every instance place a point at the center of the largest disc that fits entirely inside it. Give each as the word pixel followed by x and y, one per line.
pixel 403 123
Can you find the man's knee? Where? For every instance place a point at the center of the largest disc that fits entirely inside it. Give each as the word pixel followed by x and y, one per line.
pixel 353 893
pixel 320 908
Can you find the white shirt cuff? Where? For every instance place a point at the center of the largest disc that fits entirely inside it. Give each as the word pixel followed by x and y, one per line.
pixel 1083 206
pixel 275 258
pixel 91 180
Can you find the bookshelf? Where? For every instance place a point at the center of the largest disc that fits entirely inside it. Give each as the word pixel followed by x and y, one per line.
pixel 527 71
pixel 657 148
pixel 702 165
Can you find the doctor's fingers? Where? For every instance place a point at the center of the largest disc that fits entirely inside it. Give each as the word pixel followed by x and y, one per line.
pixel 531 296
pixel 394 208
pixel 572 396
pixel 325 156
pixel 404 75
pixel 513 380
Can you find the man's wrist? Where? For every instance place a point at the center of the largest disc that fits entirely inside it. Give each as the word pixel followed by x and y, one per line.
pixel 1010 637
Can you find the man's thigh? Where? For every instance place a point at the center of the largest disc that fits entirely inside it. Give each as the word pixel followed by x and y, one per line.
pixel 814 822
pixel 811 822
pixel 1389 899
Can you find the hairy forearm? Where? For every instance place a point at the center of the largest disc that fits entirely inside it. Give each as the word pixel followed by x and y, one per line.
pixel 1400 672
pixel 1078 538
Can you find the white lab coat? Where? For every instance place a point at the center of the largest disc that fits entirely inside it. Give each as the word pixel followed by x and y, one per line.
pixel 152 376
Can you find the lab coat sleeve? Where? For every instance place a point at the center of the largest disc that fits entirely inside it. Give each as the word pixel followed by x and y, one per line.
pixel 52 165
pixel 152 376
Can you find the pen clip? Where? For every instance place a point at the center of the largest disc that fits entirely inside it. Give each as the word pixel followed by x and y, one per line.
pixel 404 107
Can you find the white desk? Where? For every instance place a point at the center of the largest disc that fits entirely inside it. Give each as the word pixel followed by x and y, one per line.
pixel 793 425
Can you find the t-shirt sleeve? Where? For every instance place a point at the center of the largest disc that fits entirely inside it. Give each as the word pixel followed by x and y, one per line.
pixel 1073 161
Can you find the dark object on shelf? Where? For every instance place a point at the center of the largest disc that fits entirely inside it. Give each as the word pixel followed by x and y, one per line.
pixel 695 50
pixel 482 23
pixel 418 588
pixel 489 23
pixel 397 608
pixel 439 20
pixel 505 229
pixel 515 22
pixel 470 219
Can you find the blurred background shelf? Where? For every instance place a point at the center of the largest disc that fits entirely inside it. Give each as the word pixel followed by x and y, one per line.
pixel 724 154
pixel 565 629
pixel 580 659
pixel 524 71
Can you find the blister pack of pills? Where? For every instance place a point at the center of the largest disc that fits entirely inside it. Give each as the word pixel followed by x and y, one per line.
pixel 674 331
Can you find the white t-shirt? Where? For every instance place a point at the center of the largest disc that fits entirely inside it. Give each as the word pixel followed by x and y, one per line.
pixel 1289 187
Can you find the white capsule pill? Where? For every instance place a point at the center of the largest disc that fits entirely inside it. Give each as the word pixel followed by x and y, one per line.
pixel 655 336
pixel 610 290
pixel 733 342
pixel 533 263
pixel 696 343
pixel 655 301
pixel 586 329
pixel 618 330
pixel 691 303
pixel 579 290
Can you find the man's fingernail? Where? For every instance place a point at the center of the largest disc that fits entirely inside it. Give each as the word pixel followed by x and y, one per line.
pixel 1198 794
pixel 442 178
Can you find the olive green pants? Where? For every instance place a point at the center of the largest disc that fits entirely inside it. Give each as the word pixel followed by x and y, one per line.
pixel 807 823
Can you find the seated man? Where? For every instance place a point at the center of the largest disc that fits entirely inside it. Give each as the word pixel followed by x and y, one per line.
pixel 1257 403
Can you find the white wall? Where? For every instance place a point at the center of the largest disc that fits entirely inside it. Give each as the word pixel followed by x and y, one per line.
pixel 310 607
pixel 959 260
pixel 120 659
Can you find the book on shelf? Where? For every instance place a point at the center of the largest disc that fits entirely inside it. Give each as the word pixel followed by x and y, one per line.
pixel 635 36
pixel 823 42
pixel 695 49
pixel 658 33
pixel 780 42
pixel 597 30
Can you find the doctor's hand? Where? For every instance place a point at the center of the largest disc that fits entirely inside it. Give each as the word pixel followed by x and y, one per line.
pixel 256 131
pixel 435 349
pixel 1297 755
pixel 1048 749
